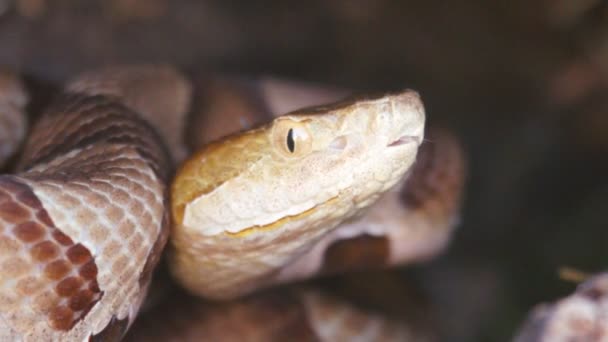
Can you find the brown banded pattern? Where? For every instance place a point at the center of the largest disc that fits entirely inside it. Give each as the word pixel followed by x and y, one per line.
pixel 58 276
pixel 84 220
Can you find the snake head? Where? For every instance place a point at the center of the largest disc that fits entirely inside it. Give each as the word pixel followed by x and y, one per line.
pixel 249 204
pixel 347 153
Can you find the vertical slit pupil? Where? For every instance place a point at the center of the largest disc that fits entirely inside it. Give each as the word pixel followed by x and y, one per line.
pixel 291 144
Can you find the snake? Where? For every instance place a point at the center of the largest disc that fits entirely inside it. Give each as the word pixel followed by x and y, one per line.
pixel 96 195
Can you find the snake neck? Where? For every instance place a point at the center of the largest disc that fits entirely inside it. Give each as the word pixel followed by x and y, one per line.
pixel 225 266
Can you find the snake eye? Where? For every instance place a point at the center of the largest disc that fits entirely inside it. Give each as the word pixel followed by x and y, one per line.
pixel 291 138
pixel 291 145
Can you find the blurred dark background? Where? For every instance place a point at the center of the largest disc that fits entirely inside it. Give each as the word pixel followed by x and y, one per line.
pixel 522 83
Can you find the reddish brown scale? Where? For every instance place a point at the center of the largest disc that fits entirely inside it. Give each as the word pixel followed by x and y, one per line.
pixel 69 286
pixel 44 251
pixel 62 238
pixel 56 254
pixel 29 231
pixel 94 286
pixel 57 269
pixel 13 212
pixel 78 254
pixel 44 218
pixel 28 199
pixel 81 300
pixel 61 318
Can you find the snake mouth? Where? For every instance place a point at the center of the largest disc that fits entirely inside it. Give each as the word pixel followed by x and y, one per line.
pixel 405 139
pixel 282 221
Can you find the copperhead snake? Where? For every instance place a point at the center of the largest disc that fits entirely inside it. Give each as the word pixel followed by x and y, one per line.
pixel 86 215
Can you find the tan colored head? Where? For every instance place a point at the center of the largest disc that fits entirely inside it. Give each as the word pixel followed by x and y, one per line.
pixel 296 178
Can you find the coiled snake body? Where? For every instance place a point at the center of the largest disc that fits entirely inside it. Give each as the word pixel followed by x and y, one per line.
pixel 85 218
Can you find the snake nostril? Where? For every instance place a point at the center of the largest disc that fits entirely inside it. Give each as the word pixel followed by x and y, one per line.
pixel 339 143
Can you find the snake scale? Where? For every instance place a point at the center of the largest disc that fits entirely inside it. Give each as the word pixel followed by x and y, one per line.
pixel 86 215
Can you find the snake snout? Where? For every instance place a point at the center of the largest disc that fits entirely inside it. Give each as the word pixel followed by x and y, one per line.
pixel 408 119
